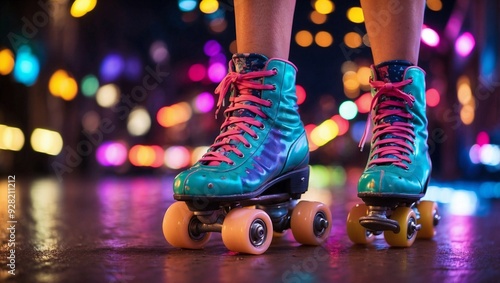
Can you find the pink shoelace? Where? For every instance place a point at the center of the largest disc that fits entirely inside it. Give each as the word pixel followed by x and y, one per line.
pixel 394 149
pixel 234 127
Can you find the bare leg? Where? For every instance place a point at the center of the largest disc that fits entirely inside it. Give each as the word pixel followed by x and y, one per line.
pixel 264 26
pixel 394 28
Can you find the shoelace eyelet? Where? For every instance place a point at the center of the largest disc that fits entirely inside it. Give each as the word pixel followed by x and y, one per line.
pixel 248 146
pixel 270 101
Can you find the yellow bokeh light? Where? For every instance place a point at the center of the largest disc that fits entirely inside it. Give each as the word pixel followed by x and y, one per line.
pixel 464 94
pixel 46 141
pixel 317 18
pixel 55 82
pixel 464 91
pixel 6 62
pixel 364 74
pixel 82 7
pixel 304 38
pixel 324 133
pixel 323 39
pixel 467 114
pixel 324 6
pixel 11 138
pixel 355 15
pixel 68 89
pixel 209 6
pixel 435 5
pixel 62 85
pixel 353 40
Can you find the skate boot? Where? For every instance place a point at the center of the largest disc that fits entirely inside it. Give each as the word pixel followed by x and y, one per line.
pixel 260 158
pixel 398 169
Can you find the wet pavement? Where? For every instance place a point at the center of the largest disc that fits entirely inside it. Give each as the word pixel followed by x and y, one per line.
pixel 109 230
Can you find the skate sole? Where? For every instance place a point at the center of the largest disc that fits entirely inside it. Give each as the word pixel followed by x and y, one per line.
pixel 289 185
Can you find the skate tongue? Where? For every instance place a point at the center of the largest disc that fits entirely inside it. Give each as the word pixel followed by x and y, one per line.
pixel 392 71
pixel 249 62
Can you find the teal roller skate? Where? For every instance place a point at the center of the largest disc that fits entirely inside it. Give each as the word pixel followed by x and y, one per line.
pixel 398 169
pixel 259 160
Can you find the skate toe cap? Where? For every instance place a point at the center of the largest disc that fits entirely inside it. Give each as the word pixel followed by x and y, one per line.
pixel 206 183
pixel 389 182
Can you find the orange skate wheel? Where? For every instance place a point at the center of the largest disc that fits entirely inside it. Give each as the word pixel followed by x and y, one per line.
pixel 176 228
pixel 311 222
pixel 429 215
pixel 407 220
pixel 357 233
pixel 247 230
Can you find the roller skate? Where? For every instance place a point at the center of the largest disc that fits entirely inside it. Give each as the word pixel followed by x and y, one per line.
pixel 398 169
pixel 248 184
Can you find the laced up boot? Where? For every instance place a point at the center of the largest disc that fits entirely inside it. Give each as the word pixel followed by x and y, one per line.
pixel 262 145
pixel 398 168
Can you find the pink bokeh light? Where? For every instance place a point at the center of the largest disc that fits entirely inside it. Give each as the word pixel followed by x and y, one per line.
pixel 464 44
pixel 430 37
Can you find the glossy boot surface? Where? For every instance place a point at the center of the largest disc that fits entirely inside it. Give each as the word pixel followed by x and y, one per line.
pixel 262 144
pixel 399 165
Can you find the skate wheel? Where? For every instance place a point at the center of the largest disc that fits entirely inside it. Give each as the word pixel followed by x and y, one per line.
pixel 176 223
pixel 429 217
pixel 357 233
pixel 247 231
pixel 311 222
pixel 407 220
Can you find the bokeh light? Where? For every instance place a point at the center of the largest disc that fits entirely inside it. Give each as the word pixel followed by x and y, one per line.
pixel 46 141
pixel 107 95
pixel 11 138
pixel 317 18
pixel 323 39
pixel 353 39
pixel 139 121
pixel 111 67
pixel 209 6
pixel 111 153
pixel 197 72
pixel 434 5
pixel 6 61
pixel 430 37
pixel 324 132
pixel 432 97
pixel 26 67
pixel 355 15
pixel 63 85
pixel 158 51
pixel 203 102
pixel 177 157
pixel 176 114
pixel 146 156
pixel 304 38
pixel 465 44
pixel 364 102
pixel 216 72
pixel 301 94
pixel 212 48
pixel 187 5
pixel 348 110
pixel 89 85
pixel 324 6
pixel 482 138
pixel 342 123
pixel 82 7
